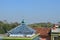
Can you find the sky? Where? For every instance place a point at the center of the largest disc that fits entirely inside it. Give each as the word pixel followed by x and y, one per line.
pixel 32 11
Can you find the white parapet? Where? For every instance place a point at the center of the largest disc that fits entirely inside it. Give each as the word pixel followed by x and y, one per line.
pixel 56 30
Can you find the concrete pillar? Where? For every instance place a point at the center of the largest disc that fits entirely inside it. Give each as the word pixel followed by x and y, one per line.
pixel 52 37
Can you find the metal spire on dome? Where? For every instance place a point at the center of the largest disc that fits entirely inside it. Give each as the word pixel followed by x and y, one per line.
pixel 23 21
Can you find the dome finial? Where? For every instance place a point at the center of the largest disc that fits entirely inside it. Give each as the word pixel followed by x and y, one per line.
pixel 23 21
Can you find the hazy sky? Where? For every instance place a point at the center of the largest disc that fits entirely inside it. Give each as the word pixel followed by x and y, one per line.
pixel 31 10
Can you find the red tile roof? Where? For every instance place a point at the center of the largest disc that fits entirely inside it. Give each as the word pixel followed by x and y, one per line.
pixel 43 31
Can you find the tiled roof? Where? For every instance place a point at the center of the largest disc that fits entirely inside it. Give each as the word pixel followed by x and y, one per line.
pixel 43 31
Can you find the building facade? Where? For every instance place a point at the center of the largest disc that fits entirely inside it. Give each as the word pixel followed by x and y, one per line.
pixel 55 33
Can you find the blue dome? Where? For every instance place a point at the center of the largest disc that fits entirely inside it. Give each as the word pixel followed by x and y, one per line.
pixel 22 29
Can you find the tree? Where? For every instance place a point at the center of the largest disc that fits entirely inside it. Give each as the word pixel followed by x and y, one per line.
pixel 5 26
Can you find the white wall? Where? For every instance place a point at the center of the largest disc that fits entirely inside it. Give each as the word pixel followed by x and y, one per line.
pixel 20 35
pixel 14 35
pixel 30 35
